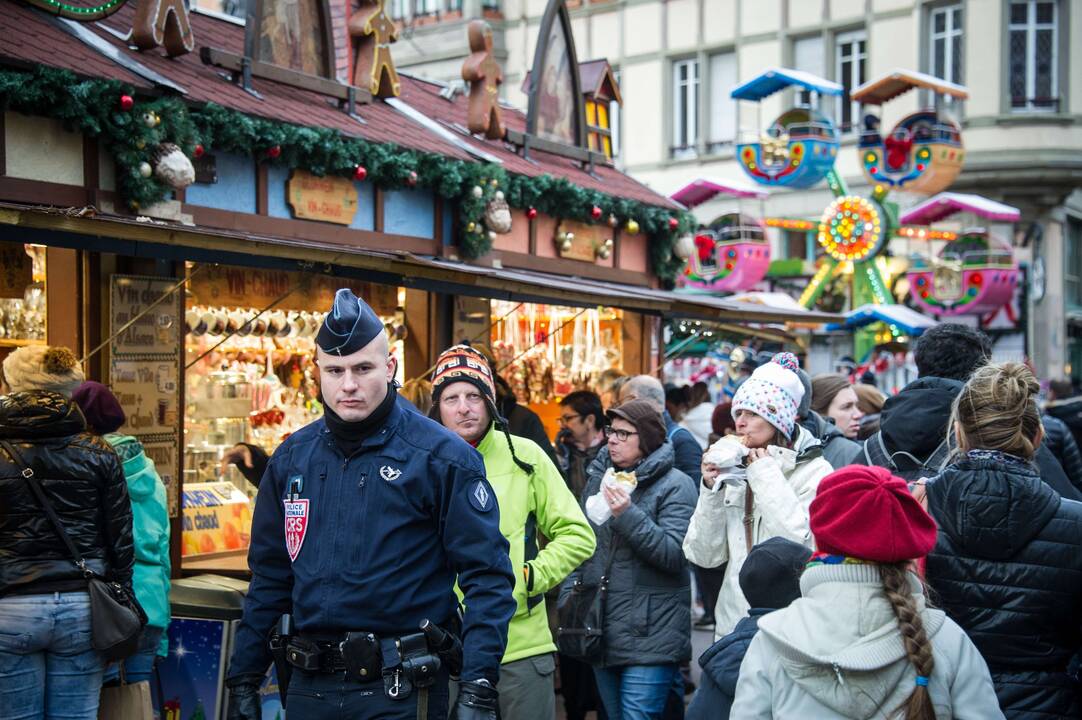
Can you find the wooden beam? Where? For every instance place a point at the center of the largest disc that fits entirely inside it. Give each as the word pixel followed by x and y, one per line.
pixel 378 198
pixel 35 191
pixel 62 297
pixel 573 152
pixel 262 199
pixel 235 64
pixel 3 146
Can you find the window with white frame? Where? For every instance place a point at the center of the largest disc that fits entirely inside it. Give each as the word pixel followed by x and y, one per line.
pixel 722 106
pixel 1033 48
pixel 850 61
pixel 809 56
pixel 685 108
pixel 426 7
pixel 945 49
pixel 614 118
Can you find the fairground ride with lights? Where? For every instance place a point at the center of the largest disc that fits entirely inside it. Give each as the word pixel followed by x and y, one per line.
pixel 731 253
pixel 975 272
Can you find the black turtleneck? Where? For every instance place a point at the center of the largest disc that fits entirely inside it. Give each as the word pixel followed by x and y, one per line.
pixel 349 436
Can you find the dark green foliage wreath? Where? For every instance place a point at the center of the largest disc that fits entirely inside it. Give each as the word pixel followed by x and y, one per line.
pixel 93 107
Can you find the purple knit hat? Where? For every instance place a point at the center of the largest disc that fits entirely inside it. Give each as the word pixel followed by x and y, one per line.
pixel 100 407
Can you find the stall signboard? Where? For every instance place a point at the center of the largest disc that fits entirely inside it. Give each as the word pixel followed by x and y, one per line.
pixel 224 286
pixel 328 199
pixel 192 674
pixel 144 369
pixel 16 270
pixel 217 519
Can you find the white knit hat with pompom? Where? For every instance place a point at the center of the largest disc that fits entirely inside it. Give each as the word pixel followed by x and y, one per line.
pixel 39 367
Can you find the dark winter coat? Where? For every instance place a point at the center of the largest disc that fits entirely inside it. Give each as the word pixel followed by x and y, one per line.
pixel 913 427
pixel 721 670
pixel 573 463
pixel 83 479
pixel 1061 443
pixel 1070 412
pixel 838 450
pixel 687 453
pixel 1007 567
pixel 648 604
pixel 524 422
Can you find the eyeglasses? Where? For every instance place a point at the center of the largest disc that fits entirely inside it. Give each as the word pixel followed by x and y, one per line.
pixel 621 435
pixel 566 419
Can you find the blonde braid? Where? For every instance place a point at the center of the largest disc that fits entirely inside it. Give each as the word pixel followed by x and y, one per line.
pixel 918 706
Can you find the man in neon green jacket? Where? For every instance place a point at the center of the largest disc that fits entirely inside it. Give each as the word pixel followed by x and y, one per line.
pixel 533 500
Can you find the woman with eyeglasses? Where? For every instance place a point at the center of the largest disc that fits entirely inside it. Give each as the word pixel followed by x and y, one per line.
pixel 647 610
pixel 757 484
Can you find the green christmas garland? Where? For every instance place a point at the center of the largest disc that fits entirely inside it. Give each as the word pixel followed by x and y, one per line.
pixel 131 127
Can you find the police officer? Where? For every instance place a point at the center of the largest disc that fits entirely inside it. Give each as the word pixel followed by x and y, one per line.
pixel 363 523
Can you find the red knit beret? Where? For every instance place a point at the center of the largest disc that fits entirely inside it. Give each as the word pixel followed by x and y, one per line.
pixel 867 513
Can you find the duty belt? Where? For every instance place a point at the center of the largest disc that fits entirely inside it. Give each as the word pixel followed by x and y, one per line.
pixel 355 653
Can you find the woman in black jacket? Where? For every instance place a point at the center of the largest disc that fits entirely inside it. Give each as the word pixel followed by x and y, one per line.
pixel 1007 566
pixel 47 664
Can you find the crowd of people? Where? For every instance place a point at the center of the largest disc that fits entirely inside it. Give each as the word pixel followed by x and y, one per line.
pixel 917 556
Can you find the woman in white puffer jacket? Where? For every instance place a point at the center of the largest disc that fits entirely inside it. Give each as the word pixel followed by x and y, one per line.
pixel 757 484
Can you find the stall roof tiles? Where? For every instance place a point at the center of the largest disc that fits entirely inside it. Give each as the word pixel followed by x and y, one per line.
pixel 30 36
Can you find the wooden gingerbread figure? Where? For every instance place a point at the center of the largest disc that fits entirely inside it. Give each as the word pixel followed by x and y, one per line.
pixel 374 67
pixel 484 75
pixel 163 23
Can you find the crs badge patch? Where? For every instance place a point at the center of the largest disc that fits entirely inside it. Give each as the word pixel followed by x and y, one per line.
pixel 296 514
pixel 481 497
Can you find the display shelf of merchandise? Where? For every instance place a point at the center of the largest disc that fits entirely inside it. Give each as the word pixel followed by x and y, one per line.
pixel 548 351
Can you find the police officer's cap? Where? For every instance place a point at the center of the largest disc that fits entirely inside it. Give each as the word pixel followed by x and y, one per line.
pixel 349 326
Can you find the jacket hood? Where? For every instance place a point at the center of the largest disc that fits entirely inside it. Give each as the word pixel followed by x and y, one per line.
pixel 653 466
pixel 138 468
pixel 991 507
pixel 840 642
pixel 915 420
pixel 39 414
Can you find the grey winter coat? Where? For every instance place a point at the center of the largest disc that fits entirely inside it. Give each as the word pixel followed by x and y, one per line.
pixel 648 604
pixel 837 652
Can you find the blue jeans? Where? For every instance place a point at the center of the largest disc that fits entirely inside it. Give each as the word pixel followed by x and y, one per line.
pixel 48 670
pixel 140 666
pixel 635 692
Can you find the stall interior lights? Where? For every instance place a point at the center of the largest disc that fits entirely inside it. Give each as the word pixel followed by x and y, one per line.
pixel 921 233
pixel 790 223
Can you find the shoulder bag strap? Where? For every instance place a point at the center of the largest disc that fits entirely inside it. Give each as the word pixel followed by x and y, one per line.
pixel 35 487
pixel 749 517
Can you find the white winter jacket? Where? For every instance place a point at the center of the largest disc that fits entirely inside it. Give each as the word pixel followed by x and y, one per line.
pixel 699 422
pixel 837 652
pixel 784 485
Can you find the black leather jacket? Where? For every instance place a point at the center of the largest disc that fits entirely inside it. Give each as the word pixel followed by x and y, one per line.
pixel 1007 568
pixel 81 476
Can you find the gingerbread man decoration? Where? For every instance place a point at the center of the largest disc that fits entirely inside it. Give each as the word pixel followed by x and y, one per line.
pixel 163 23
pixel 484 75
pixel 374 67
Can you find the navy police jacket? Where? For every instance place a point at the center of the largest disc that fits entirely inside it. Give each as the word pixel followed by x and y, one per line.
pixel 376 541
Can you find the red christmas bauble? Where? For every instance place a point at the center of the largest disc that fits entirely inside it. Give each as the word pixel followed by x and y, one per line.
pixel 127 102
pixel 360 172
pixel 198 151
pixel 274 151
pixel 673 223
pixel 595 213
pixel 412 179
pixel 531 213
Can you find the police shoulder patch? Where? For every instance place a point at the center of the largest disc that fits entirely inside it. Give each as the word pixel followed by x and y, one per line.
pixel 481 496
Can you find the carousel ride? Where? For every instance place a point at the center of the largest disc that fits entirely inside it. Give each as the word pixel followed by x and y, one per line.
pixel 974 273
pixel 798 149
pixel 732 252
pixel 923 152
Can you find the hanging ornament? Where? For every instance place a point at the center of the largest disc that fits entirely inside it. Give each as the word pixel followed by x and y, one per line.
pixel 151 119
pixel 491 236
pixel 531 213
pixel 673 223
pixel 613 222
pixel 360 173
pixel 411 179
pixel 140 143
pixel 566 241
pixel 595 212
pixel 495 182
pixel 632 227
pixel 498 214
pixel 127 102
pixel 684 246
pixel 172 166
pixel 145 170
pixel 477 191
pixel 198 152
pixel 470 227
pixel 605 250
pixel 274 151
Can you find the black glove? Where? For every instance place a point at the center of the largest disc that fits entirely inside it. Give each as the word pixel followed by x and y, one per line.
pixel 477 700
pixel 244 703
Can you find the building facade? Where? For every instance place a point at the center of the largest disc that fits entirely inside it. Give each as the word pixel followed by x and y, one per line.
pixel 677 61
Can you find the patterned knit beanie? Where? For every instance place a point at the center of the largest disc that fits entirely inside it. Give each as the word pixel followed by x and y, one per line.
pixel 773 392
pixel 39 367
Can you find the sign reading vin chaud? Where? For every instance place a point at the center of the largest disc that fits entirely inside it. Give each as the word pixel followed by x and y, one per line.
pixel 327 199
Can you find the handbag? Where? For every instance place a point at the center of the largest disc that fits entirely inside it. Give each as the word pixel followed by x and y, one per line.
pixel 130 701
pixel 581 616
pixel 116 617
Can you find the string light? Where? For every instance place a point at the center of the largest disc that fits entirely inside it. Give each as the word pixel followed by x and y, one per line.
pixel 851 229
pixel 790 224
pixel 920 233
